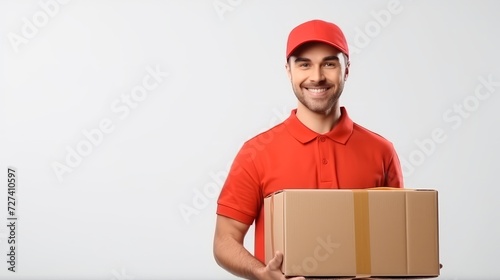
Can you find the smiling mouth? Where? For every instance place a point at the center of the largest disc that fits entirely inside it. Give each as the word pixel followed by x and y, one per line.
pixel 317 91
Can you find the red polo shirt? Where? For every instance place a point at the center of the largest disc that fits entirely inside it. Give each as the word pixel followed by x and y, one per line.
pixel 290 155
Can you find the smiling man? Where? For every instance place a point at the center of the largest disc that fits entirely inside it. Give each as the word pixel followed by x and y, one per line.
pixel 318 146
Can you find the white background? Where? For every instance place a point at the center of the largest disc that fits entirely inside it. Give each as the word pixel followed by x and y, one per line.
pixel 140 204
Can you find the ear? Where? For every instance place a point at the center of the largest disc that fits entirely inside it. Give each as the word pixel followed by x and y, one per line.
pixel 287 67
pixel 346 72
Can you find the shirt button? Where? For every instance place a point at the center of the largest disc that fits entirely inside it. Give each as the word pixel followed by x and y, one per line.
pixel 325 161
pixel 322 138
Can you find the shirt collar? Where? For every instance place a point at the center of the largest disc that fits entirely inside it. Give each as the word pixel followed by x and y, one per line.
pixel 340 132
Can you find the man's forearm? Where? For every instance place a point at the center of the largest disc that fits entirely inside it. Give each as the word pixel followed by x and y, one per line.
pixel 235 258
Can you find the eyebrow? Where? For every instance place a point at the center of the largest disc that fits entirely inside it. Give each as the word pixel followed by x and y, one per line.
pixel 326 58
pixel 331 57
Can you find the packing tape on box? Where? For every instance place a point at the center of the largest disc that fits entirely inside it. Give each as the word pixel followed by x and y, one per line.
pixel 362 232
pixel 362 229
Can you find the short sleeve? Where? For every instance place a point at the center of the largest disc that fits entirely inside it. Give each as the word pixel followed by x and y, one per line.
pixel 394 174
pixel 241 195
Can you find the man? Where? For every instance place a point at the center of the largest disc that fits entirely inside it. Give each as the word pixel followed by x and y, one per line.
pixel 318 146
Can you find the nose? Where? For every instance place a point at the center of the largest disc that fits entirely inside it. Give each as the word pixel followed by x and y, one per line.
pixel 317 75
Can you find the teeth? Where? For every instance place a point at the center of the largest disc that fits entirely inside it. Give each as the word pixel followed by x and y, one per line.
pixel 317 90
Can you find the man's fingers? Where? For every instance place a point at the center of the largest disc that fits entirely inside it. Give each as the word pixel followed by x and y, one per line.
pixel 275 263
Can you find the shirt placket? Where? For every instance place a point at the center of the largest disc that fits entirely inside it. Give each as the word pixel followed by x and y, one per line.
pixel 327 174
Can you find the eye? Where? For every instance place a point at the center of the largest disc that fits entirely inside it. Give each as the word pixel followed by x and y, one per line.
pixel 304 64
pixel 330 64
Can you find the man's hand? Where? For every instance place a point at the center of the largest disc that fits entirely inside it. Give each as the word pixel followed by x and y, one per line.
pixel 230 253
pixel 273 270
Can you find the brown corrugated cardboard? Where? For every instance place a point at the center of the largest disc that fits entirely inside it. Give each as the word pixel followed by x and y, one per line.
pixel 354 233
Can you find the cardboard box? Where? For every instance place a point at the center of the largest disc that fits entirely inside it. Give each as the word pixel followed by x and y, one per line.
pixel 376 232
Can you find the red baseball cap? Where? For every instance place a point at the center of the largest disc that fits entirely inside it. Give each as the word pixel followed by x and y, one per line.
pixel 316 31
